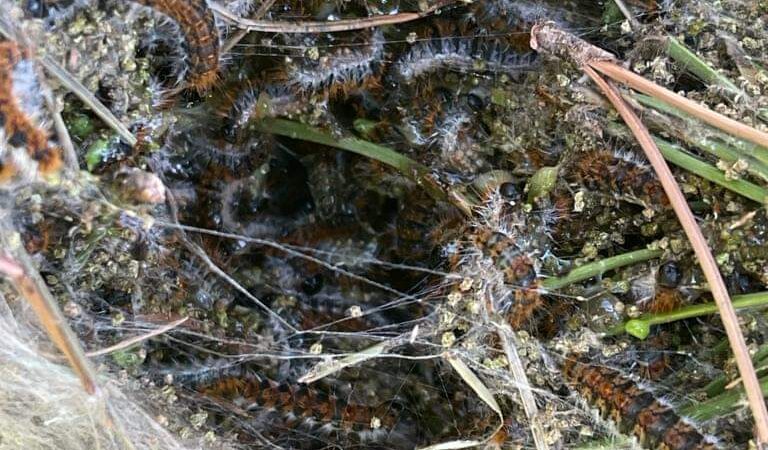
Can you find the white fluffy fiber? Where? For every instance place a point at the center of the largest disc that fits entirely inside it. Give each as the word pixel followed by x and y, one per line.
pixel 43 405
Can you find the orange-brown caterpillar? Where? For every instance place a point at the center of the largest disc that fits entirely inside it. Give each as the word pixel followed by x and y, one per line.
pixel 621 172
pixel 635 409
pixel 20 111
pixel 198 25
pixel 300 403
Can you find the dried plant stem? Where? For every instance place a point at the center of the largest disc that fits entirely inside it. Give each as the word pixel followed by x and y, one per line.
pixel 18 268
pixel 135 340
pixel 241 33
pixel 509 344
pixel 639 83
pixel 230 43
pixel 74 86
pixel 549 38
pixel 268 26
pixel 708 139
pixel 70 155
pixel 633 23
pixel 325 368
pixel 10 31
pixel 699 244
pixel 593 269
pixel 485 395
pixel 741 146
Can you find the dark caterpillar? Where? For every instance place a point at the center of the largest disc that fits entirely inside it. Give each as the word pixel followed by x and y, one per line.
pixel 300 405
pixel 462 55
pixel 197 24
pixel 623 172
pixel 340 70
pixel 635 409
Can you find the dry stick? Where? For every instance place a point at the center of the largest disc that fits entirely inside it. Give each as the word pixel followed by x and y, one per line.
pixel 136 339
pixel 32 289
pixel 549 38
pixel 633 23
pixel 269 26
pixel 635 81
pixel 77 88
pixel 701 248
pixel 70 155
pixel 234 40
pixel 27 280
pixel 8 29
pixel 509 344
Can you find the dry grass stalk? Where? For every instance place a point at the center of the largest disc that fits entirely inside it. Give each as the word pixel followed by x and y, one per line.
pixel 703 113
pixel 9 29
pixel 540 40
pixel 136 339
pixel 31 289
pixel 268 26
pixel 508 342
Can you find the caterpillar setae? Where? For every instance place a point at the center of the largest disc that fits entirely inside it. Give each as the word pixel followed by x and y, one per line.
pixel 635 409
pixel 25 146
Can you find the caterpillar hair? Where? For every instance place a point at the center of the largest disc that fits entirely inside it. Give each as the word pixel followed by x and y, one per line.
pixel 241 8
pixel 461 55
pixel 345 69
pixel 623 172
pixel 55 13
pixel 634 408
pixel 269 100
pixel 305 407
pixel 27 147
pixel 201 38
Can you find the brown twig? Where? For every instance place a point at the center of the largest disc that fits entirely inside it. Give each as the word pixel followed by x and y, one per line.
pixel 268 26
pixel 679 204
pixel 32 289
pixel 705 114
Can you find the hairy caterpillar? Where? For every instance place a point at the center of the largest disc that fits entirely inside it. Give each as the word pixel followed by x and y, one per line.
pixel 27 147
pixel 635 409
pixel 308 406
pixel 501 247
pixel 622 172
pixel 201 38
pixel 462 55
pixel 341 70
pixel 259 101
